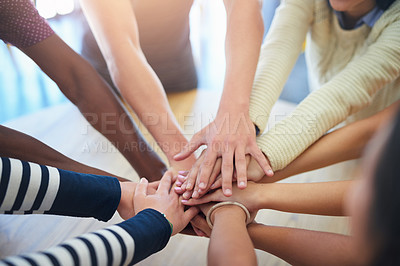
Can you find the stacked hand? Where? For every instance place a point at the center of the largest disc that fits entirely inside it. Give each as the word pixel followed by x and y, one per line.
pixel 228 138
pixel 160 196
pixel 249 197
pixel 254 173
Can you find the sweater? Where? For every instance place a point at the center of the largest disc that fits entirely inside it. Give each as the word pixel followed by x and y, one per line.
pixel 29 188
pixel 352 74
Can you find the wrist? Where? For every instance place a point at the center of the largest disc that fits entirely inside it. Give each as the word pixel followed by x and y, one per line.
pixel 263 196
pixel 228 211
pixel 126 205
pixel 233 108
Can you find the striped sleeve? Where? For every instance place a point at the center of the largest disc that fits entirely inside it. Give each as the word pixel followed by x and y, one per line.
pixel 123 244
pixel 29 188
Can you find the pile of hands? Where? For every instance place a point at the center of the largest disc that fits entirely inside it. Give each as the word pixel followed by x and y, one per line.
pixel 175 195
pixel 225 171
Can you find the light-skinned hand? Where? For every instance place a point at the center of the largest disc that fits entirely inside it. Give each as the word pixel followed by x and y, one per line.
pixel 126 204
pixel 230 136
pixel 248 197
pixel 165 201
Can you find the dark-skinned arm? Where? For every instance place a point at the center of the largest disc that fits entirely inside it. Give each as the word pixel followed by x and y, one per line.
pixel 81 84
pixel 15 144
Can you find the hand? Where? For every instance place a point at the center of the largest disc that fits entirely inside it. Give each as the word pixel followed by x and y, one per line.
pixel 254 173
pixel 249 197
pixel 230 136
pixel 126 204
pixel 190 178
pixel 164 201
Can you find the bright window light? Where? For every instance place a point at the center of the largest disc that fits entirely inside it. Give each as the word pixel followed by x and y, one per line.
pixel 51 8
pixel 64 6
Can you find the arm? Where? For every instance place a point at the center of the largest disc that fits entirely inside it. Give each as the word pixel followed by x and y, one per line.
pixel 79 81
pixel 16 144
pixel 343 144
pixel 325 198
pixel 348 92
pixel 227 248
pixel 48 190
pixel 303 247
pixel 29 188
pixel 278 55
pixel 232 134
pixel 114 27
pixel 125 243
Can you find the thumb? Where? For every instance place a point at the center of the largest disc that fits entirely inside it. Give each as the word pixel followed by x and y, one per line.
pixel 189 148
pixel 141 188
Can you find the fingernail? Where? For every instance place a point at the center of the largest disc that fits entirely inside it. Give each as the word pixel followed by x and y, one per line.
pixel 184 201
pixel 181 176
pixel 270 172
pixel 189 186
pixel 242 184
pixel 228 192
pixel 212 186
pixel 142 180
pixel 178 183
pixel 178 189
pixel 183 187
pixel 202 185
pixel 182 172
pixel 186 195
pixel 195 194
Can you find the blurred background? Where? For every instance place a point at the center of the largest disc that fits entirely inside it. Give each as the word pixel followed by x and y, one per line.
pixel 24 89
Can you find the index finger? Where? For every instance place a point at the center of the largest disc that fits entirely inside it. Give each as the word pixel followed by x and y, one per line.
pixel 262 161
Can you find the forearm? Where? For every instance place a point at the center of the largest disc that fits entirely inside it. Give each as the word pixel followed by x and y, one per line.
pixel 343 144
pixel 108 115
pixel 350 91
pixel 279 53
pixel 130 72
pixel 230 243
pixel 303 247
pixel 143 91
pixel 324 198
pixel 18 145
pixel 38 189
pixel 243 41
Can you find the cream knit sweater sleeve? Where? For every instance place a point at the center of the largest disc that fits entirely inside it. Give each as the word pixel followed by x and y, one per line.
pixel 278 55
pixel 348 92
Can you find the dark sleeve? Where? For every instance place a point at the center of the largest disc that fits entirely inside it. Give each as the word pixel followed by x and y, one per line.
pixel 123 244
pixel 21 24
pixel 30 188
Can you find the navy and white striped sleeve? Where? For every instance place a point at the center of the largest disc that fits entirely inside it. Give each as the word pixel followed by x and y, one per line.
pixel 123 244
pixel 30 188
